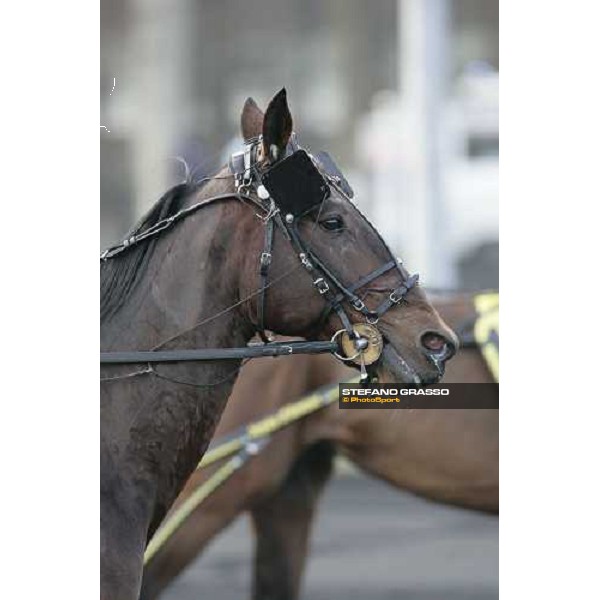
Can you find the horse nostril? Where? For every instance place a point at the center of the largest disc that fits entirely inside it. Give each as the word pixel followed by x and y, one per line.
pixel 438 344
pixel 433 342
pixel 439 349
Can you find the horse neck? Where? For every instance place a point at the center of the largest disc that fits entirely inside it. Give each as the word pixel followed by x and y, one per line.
pixel 157 430
pixel 192 275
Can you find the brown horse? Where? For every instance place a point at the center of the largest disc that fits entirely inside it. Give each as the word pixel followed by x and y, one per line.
pixel 187 278
pixel 446 455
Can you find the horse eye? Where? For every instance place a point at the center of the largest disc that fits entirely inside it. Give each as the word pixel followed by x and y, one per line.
pixel 335 223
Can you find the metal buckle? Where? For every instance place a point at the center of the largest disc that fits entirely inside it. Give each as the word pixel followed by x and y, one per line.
pixel 265 259
pixel 321 285
pixel 272 211
pixel 395 299
pixel 306 263
pixel 358 305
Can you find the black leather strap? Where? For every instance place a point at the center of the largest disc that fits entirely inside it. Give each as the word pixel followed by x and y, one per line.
pixel 397 295
pixel 325 282
pixel 359 284
pixel 322 279
pixel 169 356
pixel 265 262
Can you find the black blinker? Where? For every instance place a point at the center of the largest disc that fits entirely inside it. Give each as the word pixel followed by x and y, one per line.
pixel 295 184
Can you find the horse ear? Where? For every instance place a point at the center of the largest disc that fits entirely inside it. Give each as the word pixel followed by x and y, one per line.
pixel 277 127
pixel 252 119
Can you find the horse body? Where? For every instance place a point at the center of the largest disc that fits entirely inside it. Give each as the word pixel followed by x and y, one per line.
pixel 194 286
pixel 449 456
pixel 154 431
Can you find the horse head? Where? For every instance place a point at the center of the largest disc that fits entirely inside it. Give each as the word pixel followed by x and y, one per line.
pixel 329 270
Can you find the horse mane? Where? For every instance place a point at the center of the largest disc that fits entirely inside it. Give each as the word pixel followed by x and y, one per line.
pixel 120 274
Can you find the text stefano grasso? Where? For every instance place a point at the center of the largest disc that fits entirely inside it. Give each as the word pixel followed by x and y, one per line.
pixel 403 391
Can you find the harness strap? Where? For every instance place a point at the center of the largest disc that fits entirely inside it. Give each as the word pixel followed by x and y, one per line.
pixel 397 295
pixel 265 262
pixel 270 424
pixel 169 356
pixel 359 284
pixel 321 278
pixel 137 237
pixel 180 515
pixel 373 275
pixel 349 295
pixel 346 324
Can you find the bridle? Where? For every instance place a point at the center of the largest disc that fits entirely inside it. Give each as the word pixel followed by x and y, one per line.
pixel 327 283
pixel 286 192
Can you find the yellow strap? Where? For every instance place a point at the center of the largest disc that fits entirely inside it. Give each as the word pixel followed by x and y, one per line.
pixel 487 306
pixel 189 505
pixel 268 425
pixel 289 413
pixel 221 451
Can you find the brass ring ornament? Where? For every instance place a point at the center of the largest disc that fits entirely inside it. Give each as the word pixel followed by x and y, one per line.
pixel 369 354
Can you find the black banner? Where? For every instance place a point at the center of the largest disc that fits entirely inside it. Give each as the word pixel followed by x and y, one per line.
pixel 401 395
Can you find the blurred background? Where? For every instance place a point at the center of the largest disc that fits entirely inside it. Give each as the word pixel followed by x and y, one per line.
pixel 403 93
